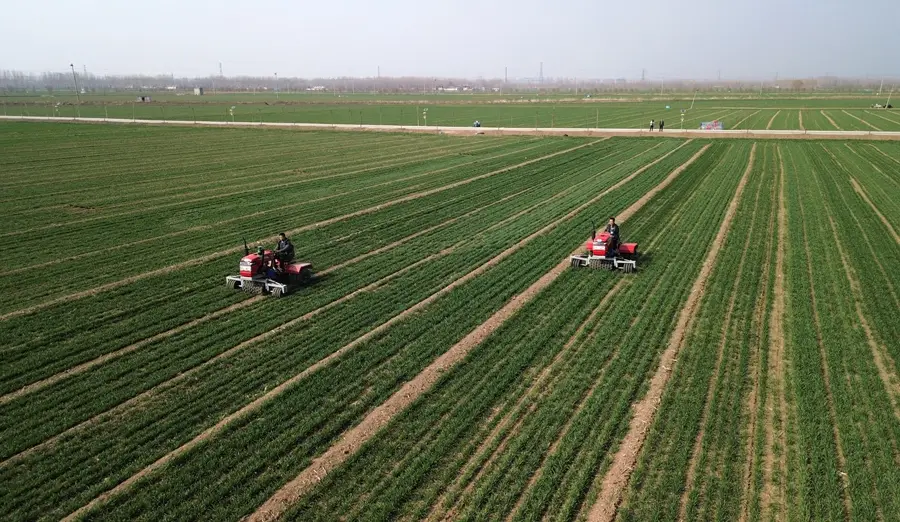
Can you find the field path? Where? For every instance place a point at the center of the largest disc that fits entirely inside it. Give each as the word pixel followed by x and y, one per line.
pixel 351 441
pixel 209 257
pixel 801 120
pixel 774 464
pixel 510 131
pixel 616 478
pixel 769 125
pixel 860 120
pixel 827 117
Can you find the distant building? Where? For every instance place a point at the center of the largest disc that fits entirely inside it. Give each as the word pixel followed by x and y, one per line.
pixel 143 99
pixel 198 91
pixel 171 87
pixel 316 88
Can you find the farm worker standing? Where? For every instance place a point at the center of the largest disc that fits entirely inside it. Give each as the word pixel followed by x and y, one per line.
pixel 284 252
pixel 662 123
pixel 651 125
pixel 613 230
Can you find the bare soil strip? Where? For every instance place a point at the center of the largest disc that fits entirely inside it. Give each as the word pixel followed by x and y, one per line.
pixel 616 478
pixel 827 117
pixel 711 386
pixel 773 495
pixel 757 369
pixel 351 441
pixel 862 193
pixel 801 120
pixel 81 368
pixel 209 257
pixel 860 120
pixel 769 125
pixel 880 353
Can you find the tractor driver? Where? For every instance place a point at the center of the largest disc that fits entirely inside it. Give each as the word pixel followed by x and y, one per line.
pixel 613 230
pixel 284 252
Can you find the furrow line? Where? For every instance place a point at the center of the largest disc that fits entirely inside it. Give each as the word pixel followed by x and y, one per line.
pixel 769 125
pixel 862 193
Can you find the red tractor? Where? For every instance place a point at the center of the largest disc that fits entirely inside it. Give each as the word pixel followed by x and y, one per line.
pixel 599 255
pixel 262 273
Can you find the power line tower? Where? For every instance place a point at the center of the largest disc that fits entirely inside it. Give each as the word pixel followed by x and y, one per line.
pixel 220 71
pixel 643 74
pixel 541 74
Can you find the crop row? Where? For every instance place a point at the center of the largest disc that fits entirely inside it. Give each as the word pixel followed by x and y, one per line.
pixel 260 218
pixel 543 462
pixel 214 389
pixel 368 375
pixel 109 329
pixel 693 465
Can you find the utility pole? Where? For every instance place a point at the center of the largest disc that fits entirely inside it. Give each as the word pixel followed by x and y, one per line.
pixel 889 97
pixel 880 87
pixel 276 86
pixel 643 74
pixel 506 75
pixel 77 94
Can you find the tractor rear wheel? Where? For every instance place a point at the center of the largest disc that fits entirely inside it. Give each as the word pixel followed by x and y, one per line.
pixel 277 292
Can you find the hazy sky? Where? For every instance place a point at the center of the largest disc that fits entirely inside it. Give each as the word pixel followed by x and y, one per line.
pixel 580 38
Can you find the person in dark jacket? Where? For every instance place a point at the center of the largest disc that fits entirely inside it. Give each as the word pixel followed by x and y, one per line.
pixel 612 246
pixel 284 252
pixel 662 125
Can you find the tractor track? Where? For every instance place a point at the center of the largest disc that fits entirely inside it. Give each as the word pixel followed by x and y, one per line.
pixel 200 228
pixel 209 257
pixel 877 169
pixel 774 496
pixel 769 125
pixel 738 124
pixel 352 439
pixel 727 326
pixel 800 113
pixel 616 478
pixel 882 117
pixel 447 151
